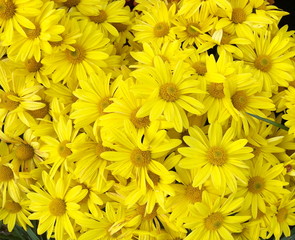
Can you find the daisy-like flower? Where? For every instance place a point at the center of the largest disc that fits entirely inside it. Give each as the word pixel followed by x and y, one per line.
pixel 169 93
pixel 136 153
pixel 55 205
pixel 16 14
pixel 194 30
pixel 262 187
pixel 270 58
pixel 284 217
pixel 241 19
pixel 86 56
pixel 289 117
pixel 37 39
pixel 215 219
pixel 216 156
pixel 94 96
pixel 56 145
pixel 16 212
pixel 155 25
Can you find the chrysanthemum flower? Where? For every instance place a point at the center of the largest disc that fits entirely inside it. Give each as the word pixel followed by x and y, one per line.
pixel 37 40
pixel 16 212
pixel 55 205
pixel 262 187
pixel 93 97
pixel 87 57
pixel 215 219
pixel 169 93
pixel 270 58
pixel 15 15
pixel 155 25
pixel 136 153
pixel 216 156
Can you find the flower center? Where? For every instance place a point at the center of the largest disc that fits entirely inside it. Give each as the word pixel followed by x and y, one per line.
pixel 33 33
pixel 63 150
pixel 71 3
pixel 76 56
pixel 150 216
pixel 240 100
pixel 216 90
pixel 200 68
pixel 103 104
pixel 12 207
pixel 100 18
pixel 238 15
pixel 225 38
pixel 161 29
pixel 263 63
pixel 256 184
pixel 120 26
pixel 217 156
pixel 192 30
pixel 57 207
pixel 139 122
pixel 24 152
pixel 282 215
pixel 7 9
pixel 40 113
pixel 140 158
pixel 169 92
pixel 6 174
pixel 7 102
pixel 193 194
pixel 214 221
pixel 32 65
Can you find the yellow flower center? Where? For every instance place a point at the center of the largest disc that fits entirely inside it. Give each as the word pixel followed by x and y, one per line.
pixel 263 63
pixel 100 18
pixel 7 103
pixel 217 156
pixel 76 56
pixel 240 100
pixel 12 207
pixel 24 152
pixel 282 215
pixel 140 158
pixel 40 113
pixel 104 102
pixel 216 90
pixel 192 30
pixel 214 221
pixel 6 174
pixel 169 92
pixel 33 33
pixel 200 68
pixel 149 216
pixel 7 9
pixel 238 15
pixel 71 3
pixel 139 122
pixel 32 65
pixel 63 150
pixel 225 38
pixel 120 26
pixel 256 184
pixel 57 207
pixel 161 29
pixel 193 194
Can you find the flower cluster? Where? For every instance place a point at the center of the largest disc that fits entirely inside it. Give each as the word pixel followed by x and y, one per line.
pixel 134 120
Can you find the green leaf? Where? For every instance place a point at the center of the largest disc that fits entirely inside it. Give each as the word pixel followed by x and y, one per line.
pixel 32 235
pixel 270 122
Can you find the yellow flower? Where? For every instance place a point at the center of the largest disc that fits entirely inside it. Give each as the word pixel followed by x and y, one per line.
pixel 216 156
pixel 169 93
pixel 55 205
pixel 215 219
